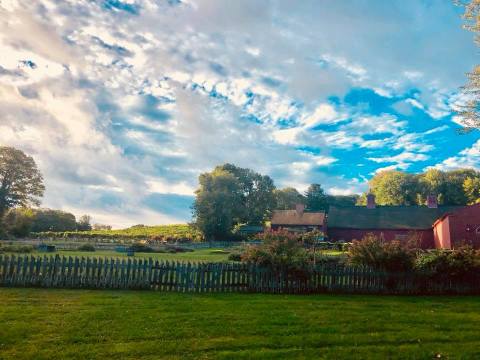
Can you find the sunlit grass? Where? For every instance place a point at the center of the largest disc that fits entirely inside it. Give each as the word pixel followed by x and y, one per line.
pixel 80 324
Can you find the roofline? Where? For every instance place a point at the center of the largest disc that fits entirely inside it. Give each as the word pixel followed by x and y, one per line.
pixel 441 218
pixel 300 224
pixel 305 212
pixel 376 229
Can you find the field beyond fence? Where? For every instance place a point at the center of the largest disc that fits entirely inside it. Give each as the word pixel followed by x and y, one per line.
pixel 147 274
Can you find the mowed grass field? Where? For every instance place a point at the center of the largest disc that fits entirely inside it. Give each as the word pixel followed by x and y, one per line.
pixel 201 255
pixel 83 324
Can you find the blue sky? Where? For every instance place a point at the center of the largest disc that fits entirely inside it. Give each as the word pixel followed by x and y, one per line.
pixel 123 103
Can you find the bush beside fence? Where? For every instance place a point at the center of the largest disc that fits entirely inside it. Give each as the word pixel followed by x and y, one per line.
pixel 107 273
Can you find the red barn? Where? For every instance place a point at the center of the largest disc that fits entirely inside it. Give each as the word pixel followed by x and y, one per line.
pixel 396 222
pixel 458 227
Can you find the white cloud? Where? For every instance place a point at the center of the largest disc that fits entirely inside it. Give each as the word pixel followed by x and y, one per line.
pixel 165 187
pixel 323 114
pixel 401 158
pixel 467 158
pixel 125 105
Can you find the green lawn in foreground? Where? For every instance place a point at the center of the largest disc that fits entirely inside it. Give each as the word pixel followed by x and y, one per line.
pixel 204 255
pixel 81 324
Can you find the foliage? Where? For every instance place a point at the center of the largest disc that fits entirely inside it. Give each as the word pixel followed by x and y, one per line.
pixel 21 183
pixel 235 256
pixel 230 195
pixel 342 200
pixel 393 188
pixel 280 250
pixel 451 263
pixel 256 194
pixel 83 223
pixel 53 220
pixel 18 249
pixel 86 247
pixel 18 221
pixel 153 234
pixel 217 204
pixel 471 187
pixel 287 198
pixel 375 252
pixel 140 247
pixel 469 112
pixel 316 200
pixel 456 187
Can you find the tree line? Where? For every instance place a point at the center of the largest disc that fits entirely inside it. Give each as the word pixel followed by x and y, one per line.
pixel 456 187
pixel 227 196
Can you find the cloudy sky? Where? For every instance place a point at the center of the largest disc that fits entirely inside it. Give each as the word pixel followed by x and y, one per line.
pixel 123 103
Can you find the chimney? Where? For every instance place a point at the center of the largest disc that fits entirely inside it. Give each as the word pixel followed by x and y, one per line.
pixel 300 208
pixel 432 202
pixel 370 201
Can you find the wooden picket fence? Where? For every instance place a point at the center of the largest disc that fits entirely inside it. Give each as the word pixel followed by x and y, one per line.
pixel 106 273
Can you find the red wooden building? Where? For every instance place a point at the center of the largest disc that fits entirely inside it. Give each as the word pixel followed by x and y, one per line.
pixel 458 227
pixel 443 227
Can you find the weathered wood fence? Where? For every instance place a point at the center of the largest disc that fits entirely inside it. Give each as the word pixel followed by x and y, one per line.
pixel 148 274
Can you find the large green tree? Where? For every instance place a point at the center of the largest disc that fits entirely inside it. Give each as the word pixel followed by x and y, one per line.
pixel 316 200
pixel 231 195
pixel 394 188
pixel 217 204
pixel 454 193
pixel 431 182
pixel 287 198
pixel 256 193
pixel 53 220
pixel 470 112
pixel 21 183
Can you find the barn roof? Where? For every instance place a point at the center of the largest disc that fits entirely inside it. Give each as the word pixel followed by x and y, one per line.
pixel 292 217
pixel 386 217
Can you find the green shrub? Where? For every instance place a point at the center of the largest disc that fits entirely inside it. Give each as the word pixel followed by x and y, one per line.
pixel 375 252
pixel 235 256
pixel 449 263
pixel 177 249
pixel 19 249
pixel 18 222
pixel 280 250
pixel 86 247
pixel 139 247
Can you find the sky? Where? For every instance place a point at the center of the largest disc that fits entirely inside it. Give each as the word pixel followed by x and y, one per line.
pixel 123 103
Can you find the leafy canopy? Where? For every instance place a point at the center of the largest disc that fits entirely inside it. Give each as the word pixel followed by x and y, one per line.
pixel 231 195
pixel 456 187
pixel 316 200
pixel 21 183
pixel 470 112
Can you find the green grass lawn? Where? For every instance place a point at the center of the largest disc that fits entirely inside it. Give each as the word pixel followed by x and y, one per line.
pixel 80 324
pixel 201 255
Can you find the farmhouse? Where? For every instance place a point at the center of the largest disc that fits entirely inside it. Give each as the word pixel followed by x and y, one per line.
pixel 298 220
pixel 444 227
